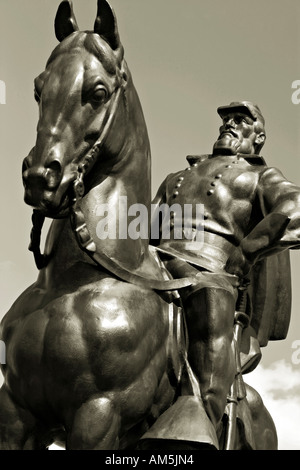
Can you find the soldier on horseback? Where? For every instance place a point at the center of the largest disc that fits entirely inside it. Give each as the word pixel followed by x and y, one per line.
pixel 250 212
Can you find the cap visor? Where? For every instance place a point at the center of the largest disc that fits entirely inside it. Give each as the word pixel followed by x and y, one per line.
pixel 225 110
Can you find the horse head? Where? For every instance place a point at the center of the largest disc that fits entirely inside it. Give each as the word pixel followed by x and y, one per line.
pixel 83 109
pixel 92 142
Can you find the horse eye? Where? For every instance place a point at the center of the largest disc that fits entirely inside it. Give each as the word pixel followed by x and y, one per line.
pixel 99 94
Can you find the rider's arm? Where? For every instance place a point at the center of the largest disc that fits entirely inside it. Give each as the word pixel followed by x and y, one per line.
pixel 280 228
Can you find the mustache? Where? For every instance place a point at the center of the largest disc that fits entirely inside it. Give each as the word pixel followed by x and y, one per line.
pixel 228 131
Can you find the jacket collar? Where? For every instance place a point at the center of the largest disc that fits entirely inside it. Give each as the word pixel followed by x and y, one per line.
pixel 253 159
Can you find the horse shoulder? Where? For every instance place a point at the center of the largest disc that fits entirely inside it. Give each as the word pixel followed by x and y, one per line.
pixel 112 307
pixel 125 327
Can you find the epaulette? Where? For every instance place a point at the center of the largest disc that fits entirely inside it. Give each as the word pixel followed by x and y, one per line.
pixel 192 159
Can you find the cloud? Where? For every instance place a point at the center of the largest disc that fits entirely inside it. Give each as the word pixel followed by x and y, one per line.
pixel 279 386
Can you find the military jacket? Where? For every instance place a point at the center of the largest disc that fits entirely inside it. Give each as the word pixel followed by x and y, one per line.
pixel 238 193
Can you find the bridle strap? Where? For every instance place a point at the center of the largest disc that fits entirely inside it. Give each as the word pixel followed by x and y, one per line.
pixel 83 237
pixel 87 244
pixel 90 158
pixel 84 166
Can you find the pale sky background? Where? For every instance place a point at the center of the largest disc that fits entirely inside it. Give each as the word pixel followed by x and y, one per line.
pixel 187 58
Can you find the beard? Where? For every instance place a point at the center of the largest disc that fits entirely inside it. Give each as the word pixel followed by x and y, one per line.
pixel 226 145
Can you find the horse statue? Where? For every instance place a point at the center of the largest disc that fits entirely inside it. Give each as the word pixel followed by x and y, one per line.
pixel 96 347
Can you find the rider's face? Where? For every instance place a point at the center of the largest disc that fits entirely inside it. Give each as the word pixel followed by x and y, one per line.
pixel 237 135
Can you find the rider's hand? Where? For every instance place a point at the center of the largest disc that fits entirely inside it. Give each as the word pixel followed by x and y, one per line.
pixel 262 241
pixel 238 264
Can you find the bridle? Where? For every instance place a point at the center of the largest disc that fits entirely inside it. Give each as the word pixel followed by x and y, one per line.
pixel 84 166
pixel 80 229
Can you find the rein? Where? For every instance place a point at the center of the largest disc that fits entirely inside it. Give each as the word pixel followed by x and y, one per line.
pixel 41 260
pixel 83 237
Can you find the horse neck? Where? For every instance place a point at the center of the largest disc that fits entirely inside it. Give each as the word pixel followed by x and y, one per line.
pixel 120 182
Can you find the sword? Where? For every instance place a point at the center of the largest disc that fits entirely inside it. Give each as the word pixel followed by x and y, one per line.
pixel 237 389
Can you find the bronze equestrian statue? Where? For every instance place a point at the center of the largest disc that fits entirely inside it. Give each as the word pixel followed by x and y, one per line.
pixel 100 352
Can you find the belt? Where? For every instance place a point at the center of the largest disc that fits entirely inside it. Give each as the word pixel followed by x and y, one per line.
pixel 211 253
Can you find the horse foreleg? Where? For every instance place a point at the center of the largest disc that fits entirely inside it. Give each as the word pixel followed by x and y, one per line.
pixel 95 426
pixel 19 430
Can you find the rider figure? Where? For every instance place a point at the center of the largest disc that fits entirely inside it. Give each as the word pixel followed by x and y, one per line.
pixel 250 212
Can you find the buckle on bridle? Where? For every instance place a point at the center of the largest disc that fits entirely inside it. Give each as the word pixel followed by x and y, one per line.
pixel 77 217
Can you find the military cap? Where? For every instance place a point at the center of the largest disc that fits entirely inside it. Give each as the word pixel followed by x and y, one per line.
pixel 245 107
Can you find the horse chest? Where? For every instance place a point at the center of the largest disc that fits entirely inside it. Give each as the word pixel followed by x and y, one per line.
pixel 100 338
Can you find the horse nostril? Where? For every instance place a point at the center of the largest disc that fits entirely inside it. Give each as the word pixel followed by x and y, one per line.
pixel 53 174
pixel 55 166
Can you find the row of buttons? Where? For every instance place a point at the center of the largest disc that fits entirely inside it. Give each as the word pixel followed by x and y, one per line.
pixel 209 192
pixel 177 186
pixel 213 183
pixel 218 177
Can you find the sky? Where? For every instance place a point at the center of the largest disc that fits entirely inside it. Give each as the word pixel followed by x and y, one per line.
pixel 187 58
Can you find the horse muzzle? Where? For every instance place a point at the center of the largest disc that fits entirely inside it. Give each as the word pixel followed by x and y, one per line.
pixel 46 188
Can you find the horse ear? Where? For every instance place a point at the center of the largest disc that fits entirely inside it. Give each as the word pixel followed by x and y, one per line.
pixel 106 24
pixel 65 21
